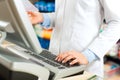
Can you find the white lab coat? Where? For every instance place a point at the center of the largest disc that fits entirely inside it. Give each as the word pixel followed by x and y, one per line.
pixel 77 24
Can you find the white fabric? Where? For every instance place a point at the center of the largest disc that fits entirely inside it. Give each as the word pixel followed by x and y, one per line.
pixel 77 24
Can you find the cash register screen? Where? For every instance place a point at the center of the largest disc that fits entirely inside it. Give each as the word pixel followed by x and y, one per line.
pixel 13 11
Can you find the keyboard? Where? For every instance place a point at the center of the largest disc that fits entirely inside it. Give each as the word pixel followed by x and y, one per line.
pixel 57 69
pixel 47 60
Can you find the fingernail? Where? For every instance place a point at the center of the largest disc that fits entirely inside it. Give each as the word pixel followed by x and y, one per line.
pixel 63 61
pixel 55 58
pixel 58 60
pixel 70 63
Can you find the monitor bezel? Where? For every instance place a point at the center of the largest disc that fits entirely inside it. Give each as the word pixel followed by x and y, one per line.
pixel 22 26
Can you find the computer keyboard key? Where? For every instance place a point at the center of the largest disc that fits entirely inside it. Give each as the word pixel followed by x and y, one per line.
pixel 52 63
pixel 61 67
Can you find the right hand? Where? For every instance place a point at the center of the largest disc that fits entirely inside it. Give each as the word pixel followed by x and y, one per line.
pixel 75 56
pixel 35 17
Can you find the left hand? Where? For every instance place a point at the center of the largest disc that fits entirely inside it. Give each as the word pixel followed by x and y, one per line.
pixel 35 17
pixel 74 55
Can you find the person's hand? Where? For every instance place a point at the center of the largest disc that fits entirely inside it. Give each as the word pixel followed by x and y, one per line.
pixel 35 17
pixel 75 56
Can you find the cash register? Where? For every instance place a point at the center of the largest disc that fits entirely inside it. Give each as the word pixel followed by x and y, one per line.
pixel 21 56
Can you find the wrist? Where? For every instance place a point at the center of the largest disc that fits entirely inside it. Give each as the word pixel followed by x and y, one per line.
pixel 45 21
pixel 89 55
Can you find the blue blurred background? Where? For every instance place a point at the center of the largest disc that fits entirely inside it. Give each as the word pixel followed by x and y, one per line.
pixel 45 5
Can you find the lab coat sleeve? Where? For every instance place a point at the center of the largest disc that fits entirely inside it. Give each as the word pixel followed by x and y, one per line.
pixel 89 55
pixel 46 22
pixel 52 18
pixel 111 34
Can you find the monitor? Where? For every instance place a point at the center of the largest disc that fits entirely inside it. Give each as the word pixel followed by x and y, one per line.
pixel 13 11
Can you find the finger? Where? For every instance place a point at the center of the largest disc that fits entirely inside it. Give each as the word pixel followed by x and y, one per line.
pixel 74 62
pixel 57 58
pixel 31 13
pixel 62 56
pixel 67 59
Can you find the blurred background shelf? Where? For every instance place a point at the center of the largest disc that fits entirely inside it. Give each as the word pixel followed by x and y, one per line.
pixel 111 58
